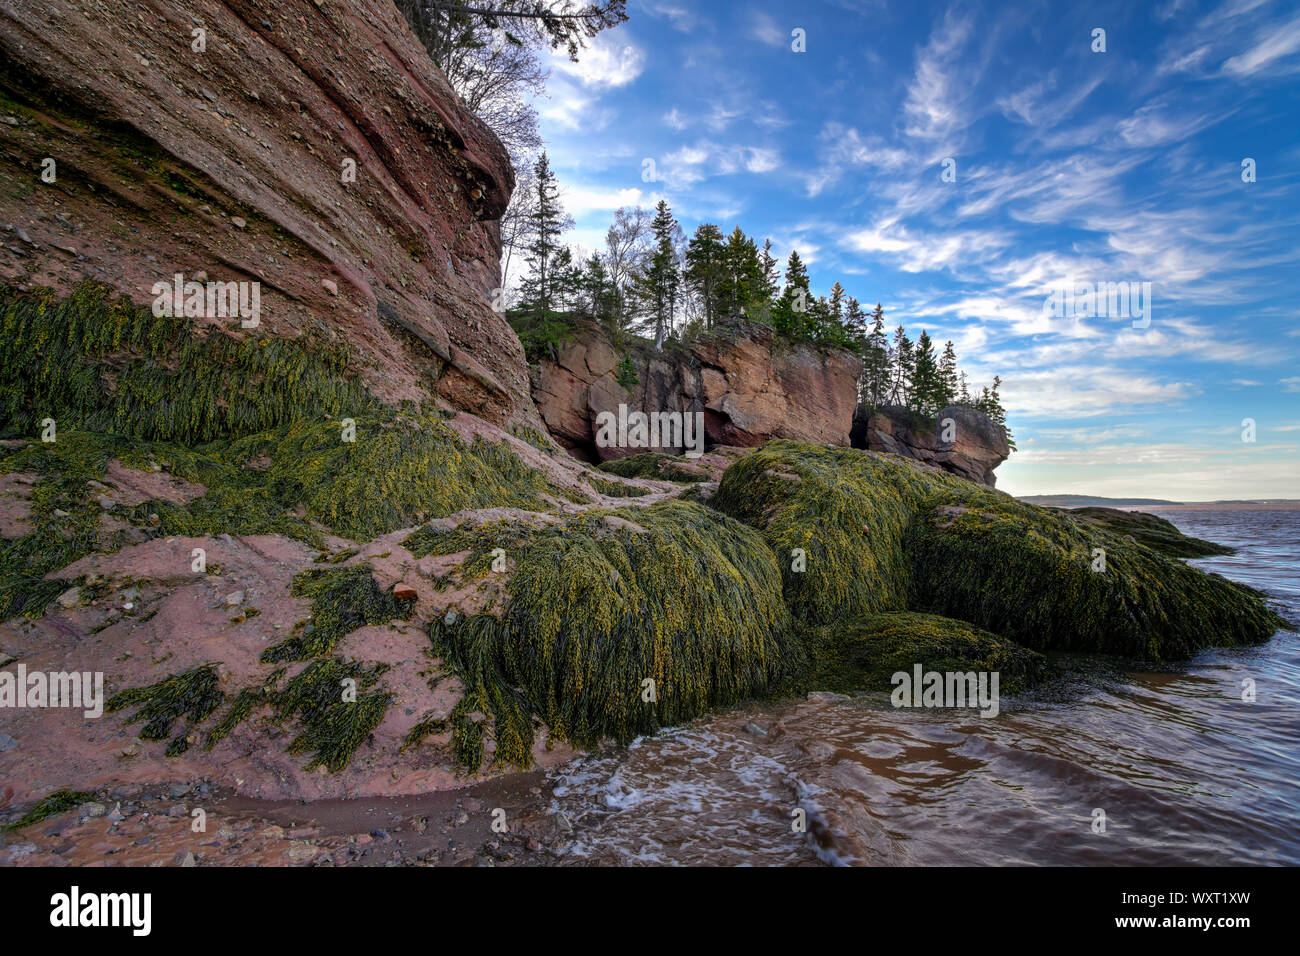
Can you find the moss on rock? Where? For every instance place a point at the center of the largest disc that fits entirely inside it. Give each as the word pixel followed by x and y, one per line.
pixel 343 600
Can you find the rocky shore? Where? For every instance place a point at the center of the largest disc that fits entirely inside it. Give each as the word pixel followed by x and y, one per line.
pixel 343 580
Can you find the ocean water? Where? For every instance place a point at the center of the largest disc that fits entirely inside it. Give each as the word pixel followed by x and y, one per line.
pixel 1183 770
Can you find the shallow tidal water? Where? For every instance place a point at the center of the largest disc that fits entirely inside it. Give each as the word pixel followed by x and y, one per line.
pixel 1184 770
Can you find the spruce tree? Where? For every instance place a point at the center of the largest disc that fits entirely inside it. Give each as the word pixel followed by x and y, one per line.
pixel 791 315
pixel 925 376
pixel 875 361
pixel 659 285
pixel 546 223
pixel 901 361
pixel 704 269
pixel 947 390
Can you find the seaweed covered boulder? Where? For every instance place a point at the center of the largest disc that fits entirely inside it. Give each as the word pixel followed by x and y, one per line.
pixel 858 532
pixel 1159 534
pixel 616 622
pixel 837 519
pixel 863 654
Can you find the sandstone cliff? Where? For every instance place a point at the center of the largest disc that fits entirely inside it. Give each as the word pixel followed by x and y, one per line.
pixel 749 388
pixel 977 446
pixel 232 163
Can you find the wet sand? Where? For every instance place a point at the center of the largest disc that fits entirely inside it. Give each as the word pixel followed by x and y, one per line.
pixel 443 828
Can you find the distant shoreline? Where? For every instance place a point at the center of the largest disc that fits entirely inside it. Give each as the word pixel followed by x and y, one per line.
pixel 1155 504
pixel 1219 506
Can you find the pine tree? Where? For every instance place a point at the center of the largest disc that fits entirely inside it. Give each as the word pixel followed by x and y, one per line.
pixel 995 411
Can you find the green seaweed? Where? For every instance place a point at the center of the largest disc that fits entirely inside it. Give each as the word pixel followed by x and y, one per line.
pixel 191 694
pixel 652 465
pixel 332 727
pixel 672 592
pixel 100 363
pixel 883 534
pixel 343 599
pixel 862 654
pixel 1155 532
pixel 615 489
pixel 60 801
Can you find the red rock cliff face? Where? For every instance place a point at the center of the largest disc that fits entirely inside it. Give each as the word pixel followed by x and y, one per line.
pixel 749 388
pixel 974 444
pixel 231 162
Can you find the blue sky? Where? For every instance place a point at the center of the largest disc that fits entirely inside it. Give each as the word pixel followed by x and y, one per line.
pixel 1071 166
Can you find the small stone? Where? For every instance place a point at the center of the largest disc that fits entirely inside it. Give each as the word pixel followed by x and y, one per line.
pixel 94 809
pixel 302 852
pixel 234 599
pixel 7 743
pixel 403 592
pixel 330 286
pixel 237 222
pixel 70 598
pixel 188 860
pixel 273 831
pixel 105 502
pixel 201 276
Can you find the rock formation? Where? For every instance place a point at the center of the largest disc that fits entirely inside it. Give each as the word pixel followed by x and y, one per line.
pixel 978 443
pixel 309 146
pixel 749 387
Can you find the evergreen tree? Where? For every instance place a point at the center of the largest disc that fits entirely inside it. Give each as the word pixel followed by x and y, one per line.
pixel 741 275
pixel 901 368
pixel 995 411
pixel 767 273
pixel 546 222
pixel 925 376
pixel 875 361
pixel 947 389
pixel 660 283
pixel 704 269
pixel 791 314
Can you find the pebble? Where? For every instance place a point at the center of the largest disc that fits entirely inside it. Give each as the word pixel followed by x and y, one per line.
pixel 7 743
pixel 234 599
pixel 238 223
pixel 330 286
